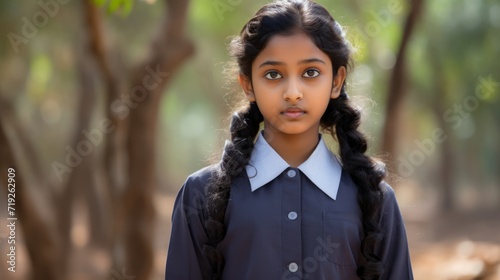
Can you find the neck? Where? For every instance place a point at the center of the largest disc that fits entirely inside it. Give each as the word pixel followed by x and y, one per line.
pixel 293 148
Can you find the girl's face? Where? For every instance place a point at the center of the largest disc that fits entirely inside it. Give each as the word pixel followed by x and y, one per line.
pixel 292 83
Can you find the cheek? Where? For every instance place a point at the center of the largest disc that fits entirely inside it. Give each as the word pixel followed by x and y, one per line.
pixel 268 94
pixel 321 102
pixel 271 115
pixel 268 108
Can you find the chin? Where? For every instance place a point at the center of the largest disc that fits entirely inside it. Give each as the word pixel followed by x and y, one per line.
pixel 293 130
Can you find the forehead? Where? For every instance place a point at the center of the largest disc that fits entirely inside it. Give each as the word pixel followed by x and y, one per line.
pixel 290 49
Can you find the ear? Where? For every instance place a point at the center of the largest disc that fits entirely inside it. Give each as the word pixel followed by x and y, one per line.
pixel 246 85
pixel 338 81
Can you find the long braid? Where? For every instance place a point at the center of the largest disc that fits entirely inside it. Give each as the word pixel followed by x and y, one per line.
pixel 342 121
pixel 243 129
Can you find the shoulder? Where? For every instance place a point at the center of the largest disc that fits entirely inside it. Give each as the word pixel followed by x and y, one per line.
pixel 389 207
pixel 201 176
pixel 389 203
pixel 387 191
pixel 190 201
pixel 195 184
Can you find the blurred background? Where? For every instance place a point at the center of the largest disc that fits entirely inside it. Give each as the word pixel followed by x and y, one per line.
pixel 107 106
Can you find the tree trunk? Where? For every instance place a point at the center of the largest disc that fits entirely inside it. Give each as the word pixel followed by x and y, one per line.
pixel 396 85
pixel 40 242
pixel 133 211
pixel 113 139
pixel 169 50
pixel 99 217
pixel 446 165
pixel 80 177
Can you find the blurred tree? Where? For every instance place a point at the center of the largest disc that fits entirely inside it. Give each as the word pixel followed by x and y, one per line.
pixel 439 105
pixel 42 247
pixel 129 130
pixel 139 107
pixel 397 83
pixel 454 76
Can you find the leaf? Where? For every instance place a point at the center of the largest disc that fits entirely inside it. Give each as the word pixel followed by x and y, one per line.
pixel 114 5
pixel 123 7
pixel 127 7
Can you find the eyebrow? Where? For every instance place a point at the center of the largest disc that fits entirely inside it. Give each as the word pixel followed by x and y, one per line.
pixel 305 61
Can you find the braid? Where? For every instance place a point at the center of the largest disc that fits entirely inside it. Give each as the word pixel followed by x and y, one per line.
pixel 342 121
pixel 244 128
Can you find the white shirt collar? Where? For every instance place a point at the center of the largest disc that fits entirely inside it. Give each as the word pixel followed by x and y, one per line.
pixel 322 167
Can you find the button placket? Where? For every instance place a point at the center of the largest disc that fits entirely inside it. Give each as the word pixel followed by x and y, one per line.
pixel 291 226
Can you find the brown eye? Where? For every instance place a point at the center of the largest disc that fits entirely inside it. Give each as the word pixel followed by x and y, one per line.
pixel 273 75
pixel 311 73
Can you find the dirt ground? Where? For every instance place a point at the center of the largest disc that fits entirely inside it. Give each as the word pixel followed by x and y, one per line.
pixel 456 246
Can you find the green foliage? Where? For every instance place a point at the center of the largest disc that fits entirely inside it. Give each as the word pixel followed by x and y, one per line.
pixel 39 77
pixel 121 7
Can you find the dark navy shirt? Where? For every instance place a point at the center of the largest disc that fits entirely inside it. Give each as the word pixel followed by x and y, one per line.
pixel 288 228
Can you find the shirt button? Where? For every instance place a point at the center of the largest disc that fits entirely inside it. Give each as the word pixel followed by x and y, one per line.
pixel 292 215
pixel 293 267
pixel 291 173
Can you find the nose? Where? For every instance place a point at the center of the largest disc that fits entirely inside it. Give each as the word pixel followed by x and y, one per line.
pixel 293 92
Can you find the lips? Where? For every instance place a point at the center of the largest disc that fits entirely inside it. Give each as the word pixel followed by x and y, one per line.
pixel 293 112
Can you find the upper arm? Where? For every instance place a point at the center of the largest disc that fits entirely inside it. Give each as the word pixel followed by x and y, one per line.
pixel 394 245
pixel 185 259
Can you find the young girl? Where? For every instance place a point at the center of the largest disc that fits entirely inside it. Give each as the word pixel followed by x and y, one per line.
pixel 279 204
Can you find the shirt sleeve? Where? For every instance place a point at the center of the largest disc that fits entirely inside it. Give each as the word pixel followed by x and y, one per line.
pixel 185 258
pixel 394 246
